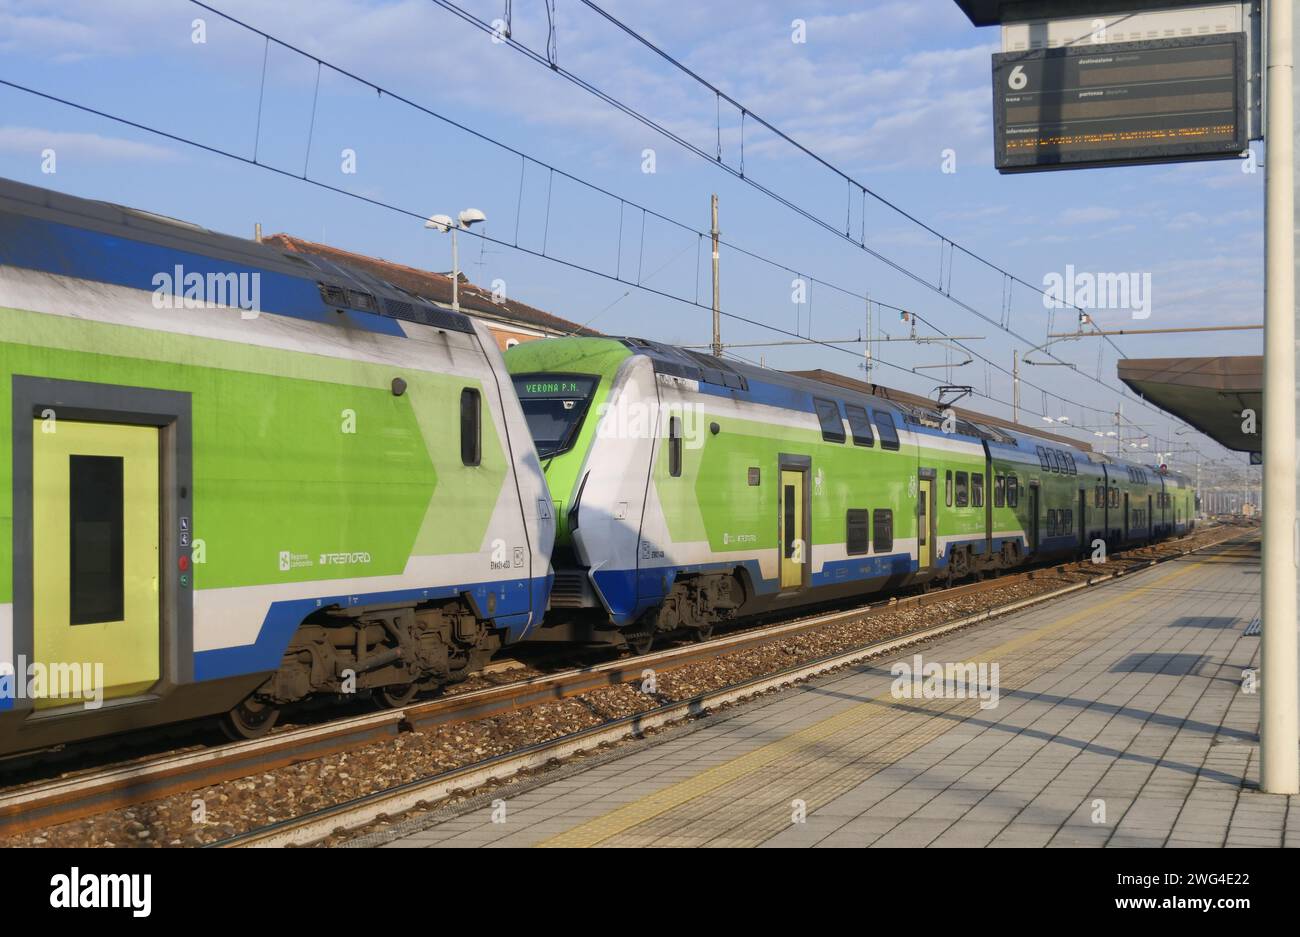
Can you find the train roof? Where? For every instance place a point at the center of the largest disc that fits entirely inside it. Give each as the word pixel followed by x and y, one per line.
pixel 64 235
pixel 738 375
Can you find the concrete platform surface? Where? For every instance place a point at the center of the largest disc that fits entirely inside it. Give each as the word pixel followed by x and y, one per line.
pixel 1118 716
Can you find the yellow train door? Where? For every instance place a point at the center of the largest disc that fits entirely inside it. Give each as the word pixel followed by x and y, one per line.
pixel 923 546
pixel 95 513
pixel 794 538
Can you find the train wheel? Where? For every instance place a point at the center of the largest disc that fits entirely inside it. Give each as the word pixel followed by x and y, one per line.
pixel 703 632
pixel 640 642
pixel 395 696
pixel 251 719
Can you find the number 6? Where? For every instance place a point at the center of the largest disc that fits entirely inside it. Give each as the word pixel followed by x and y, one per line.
pixel 1017 79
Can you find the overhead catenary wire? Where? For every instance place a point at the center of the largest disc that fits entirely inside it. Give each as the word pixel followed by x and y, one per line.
pixel 321 63
pixel 419 216
pixel 553 171
pixel 717 160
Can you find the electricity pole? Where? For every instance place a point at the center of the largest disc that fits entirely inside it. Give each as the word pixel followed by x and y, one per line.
pixel 1279 769
pixel 717 314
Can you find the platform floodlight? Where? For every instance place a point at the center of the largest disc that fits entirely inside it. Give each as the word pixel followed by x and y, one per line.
pixel 439 223
pixel 471 216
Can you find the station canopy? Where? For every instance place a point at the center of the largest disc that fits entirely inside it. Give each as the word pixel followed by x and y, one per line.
pixel 1207 393
pixel 996 12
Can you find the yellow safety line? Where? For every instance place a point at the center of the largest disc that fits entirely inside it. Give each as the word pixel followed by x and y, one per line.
pixel 598 829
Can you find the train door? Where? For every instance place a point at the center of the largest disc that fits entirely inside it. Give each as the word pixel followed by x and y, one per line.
pixel 1124 534
pixel 1033 517
pixel 793 526
pixel 1082 520
pixel 95 555
pixel 924 524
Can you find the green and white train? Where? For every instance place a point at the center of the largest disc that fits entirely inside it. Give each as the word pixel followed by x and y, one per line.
pixel 233 478
pixel 689 490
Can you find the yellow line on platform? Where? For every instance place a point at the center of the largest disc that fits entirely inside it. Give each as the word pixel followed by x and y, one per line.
pixel 597 830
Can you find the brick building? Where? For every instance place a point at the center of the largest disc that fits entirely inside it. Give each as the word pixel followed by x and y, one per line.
pixel 510 320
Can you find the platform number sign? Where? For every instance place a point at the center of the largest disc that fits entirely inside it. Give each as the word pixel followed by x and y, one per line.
pixel 1103 104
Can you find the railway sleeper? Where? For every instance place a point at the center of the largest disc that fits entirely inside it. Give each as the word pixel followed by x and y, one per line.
pixel 392 652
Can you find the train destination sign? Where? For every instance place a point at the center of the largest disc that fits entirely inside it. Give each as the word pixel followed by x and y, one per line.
pixel 1163 100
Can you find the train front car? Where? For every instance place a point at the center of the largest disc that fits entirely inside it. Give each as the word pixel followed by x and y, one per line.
pixel 690 490
pixel 241 477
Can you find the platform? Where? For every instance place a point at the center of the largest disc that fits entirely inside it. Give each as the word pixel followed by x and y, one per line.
pixel 1120 720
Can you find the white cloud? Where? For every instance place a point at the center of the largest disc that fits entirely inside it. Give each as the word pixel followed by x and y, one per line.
pixel 33 140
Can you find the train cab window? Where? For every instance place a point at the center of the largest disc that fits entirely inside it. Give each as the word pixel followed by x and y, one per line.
pixel 1013 491
pixel 828 415
pixel 885 426
pixel 1043 460
pixel 977 490
pixel 675 446
pixel 947 488
pixel 555 406
pixel 882 532
pixel 963 489
pixel 999 491
pixel 859 425
pixel 857 532
pixel 471 438
pixel 95 507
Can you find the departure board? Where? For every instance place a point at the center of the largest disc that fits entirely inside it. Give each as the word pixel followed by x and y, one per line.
pixel 1163 100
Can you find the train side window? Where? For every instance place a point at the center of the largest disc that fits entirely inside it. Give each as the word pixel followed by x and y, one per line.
pixel 828 415
pixel 95 513
pixel 963 492
pixel 885 426
pixel 471 432
pixel 999 491
pixel 859 425
pixel 1097 496
pixel 1051 522
pixel 1042 458
pixel 1074 468
pixel 675 446
pixel 882 523
pixel 857 532
pixel 947 488
pixel 1013 491
pixel 977 490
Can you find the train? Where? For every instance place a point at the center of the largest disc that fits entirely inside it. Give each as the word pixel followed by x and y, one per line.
pixel 691 489
pixel 234 478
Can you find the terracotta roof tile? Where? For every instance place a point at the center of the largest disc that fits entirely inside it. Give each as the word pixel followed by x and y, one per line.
pixel 434 286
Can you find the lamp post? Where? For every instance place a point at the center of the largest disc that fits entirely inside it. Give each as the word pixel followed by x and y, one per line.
pixel 444 224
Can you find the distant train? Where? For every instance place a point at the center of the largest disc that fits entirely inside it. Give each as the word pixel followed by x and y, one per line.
pixel 232 478
pixel 690 490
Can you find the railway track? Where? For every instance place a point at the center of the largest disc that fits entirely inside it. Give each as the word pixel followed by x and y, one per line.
pixel 44 805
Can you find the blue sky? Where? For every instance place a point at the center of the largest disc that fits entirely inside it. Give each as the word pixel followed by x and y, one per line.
pixel 880 89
